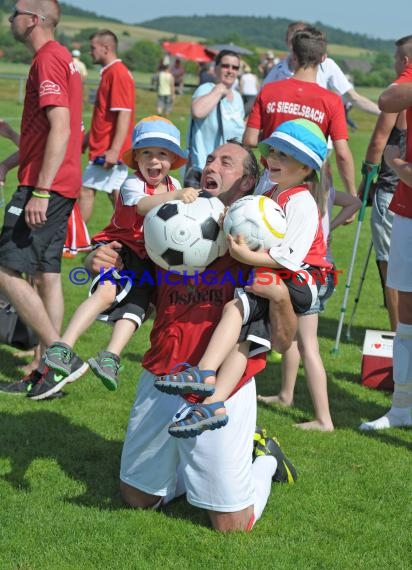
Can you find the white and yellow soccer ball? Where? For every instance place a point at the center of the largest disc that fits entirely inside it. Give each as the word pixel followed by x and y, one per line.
pixel 260 220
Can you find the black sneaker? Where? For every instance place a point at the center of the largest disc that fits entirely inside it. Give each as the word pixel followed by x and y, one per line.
pixel 259 436
pixel 78 368
pixel 285 472
pixel 50 383
pixel 106 367
pixel 59 357
pixel 21 387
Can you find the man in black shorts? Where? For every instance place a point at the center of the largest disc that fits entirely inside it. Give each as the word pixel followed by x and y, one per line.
pixel 35 222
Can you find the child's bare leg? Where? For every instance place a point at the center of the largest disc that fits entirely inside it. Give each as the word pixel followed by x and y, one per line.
pixel 87 312
pixel 290 366
pixel 315 373
pixel 229 375
pixel 224 339
pixel 123 331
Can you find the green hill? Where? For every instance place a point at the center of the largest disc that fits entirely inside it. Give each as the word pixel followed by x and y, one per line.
pixel 266 32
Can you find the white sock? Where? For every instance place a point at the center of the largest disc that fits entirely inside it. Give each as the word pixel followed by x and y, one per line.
pixel 263 469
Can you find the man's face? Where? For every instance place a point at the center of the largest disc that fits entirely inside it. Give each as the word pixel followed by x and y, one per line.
pixel 98 51
pixel 21 23
pixel 223 175
pixel 400 60
pixel 227 70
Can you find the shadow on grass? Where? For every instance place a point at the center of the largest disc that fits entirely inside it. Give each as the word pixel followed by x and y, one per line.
pixel 11 364
pixel 83 455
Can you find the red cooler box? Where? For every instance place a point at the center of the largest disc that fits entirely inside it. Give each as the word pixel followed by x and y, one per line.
pixel 377 365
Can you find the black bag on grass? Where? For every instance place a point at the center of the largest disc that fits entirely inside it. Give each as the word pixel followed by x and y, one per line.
pixel 13 331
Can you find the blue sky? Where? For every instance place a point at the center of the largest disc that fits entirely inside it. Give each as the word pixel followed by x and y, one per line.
pixel 376 19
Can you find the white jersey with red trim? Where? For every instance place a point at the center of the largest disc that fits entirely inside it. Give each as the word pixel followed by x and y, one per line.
pixel 303 242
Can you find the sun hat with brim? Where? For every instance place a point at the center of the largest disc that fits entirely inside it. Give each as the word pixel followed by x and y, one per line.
pixel 301 139
pixel 156 131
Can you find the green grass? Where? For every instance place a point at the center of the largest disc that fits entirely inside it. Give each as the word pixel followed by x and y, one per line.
pixel 59 460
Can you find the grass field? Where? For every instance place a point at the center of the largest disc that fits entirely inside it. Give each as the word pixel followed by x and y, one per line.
pixel 59 460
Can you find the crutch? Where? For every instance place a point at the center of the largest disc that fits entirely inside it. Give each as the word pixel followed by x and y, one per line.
pixel 369 171
pixel 358 292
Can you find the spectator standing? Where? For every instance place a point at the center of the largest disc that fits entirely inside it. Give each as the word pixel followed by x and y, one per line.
pixel 49 177
pixel 396 98
pixel 165 91
pixel 329 75
pixel 248 88
pixel 80 66
pixel 178 71
pixel 207 73
pixel 390 129
pixel 267 64
pixel 288 99
pixel 217 115
pixel 112 124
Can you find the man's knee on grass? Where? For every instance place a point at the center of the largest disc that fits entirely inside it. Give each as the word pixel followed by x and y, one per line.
pixel 135 499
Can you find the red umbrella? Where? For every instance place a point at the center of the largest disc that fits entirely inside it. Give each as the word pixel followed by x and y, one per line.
pixel 188 50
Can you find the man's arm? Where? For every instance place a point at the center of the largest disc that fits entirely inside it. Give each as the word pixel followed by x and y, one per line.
pixel 8 132
pixel 251 136
pixel 345 164
pixel 7 164
pixel 402 168
pixel 54 153
pixel 396 97
pixel 379 138
pixel 122 128
pixel 361 102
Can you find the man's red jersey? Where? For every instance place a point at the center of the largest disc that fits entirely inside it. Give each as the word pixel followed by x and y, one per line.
pixel 187 312
pixel 53 81
pixel 116 93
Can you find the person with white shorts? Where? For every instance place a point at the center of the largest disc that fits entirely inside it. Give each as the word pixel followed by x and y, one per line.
pixel 394 99
pixel 111 127
pixel 214 469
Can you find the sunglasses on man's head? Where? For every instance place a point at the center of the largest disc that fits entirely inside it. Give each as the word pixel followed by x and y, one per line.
pixel 229 66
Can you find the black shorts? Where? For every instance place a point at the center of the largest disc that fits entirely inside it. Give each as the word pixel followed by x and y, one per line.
pixel 135 286
pixel 28 251
pixel 303 290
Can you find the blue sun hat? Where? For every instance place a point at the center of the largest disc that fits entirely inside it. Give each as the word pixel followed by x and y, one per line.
pixel 156 131
pixel 301 139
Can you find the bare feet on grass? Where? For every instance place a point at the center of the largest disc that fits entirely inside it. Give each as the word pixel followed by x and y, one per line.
pixel 315 425
pixel 278 399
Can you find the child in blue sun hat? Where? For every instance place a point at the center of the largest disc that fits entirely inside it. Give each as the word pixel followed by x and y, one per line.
pixel 114 298
pixel 294 154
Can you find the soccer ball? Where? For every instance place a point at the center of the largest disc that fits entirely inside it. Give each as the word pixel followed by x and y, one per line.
pixel 185 237
pixel 258 219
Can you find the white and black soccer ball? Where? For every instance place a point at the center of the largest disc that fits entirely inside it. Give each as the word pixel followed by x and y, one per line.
pixel 258 219
pixel 185 237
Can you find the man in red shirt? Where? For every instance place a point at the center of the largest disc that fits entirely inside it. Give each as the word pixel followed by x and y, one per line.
pixel 301 97
pixel 215 470
pixel 112 124
pixel 49 177
pixel 396 98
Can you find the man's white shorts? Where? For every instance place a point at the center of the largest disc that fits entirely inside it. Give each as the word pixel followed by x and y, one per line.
pixel 105 180
pixel 217 465
pixel 400 259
